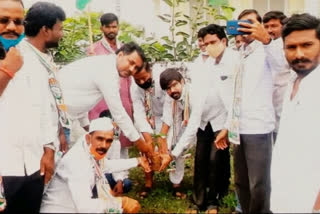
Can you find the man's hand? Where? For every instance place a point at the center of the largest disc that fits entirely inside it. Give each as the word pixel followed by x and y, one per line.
pixel 118 188
pixel 145 146
pixel 13 61
pixel 221 140
pixel 165 161
pixel 257 30
pixel 63 141
pixel 143 162
pixel 47 164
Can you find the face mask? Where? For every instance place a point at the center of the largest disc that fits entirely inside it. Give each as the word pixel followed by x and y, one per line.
pixel 215 50
pixel 95 154
pixel 8 43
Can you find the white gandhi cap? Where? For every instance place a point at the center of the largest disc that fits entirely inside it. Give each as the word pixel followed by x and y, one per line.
pixel 101 124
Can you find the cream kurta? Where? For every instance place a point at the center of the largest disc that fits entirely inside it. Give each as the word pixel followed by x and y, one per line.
pixel 295 174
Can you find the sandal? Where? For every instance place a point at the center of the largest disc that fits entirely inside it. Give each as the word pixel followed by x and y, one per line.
pixel 178 193
pixel 145 192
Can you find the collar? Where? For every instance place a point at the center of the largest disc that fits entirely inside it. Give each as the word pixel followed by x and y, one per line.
pixel 106 44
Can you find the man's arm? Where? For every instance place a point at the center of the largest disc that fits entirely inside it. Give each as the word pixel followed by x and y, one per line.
pixel 9 66
pixel 111 94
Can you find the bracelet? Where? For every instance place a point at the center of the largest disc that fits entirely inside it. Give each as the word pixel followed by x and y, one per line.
pixel 9 73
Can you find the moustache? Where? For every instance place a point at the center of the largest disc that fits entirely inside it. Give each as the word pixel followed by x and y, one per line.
pixel 10 33
pixel 297 61
pixel 101 150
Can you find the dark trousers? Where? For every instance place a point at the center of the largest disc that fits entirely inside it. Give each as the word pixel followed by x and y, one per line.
pixel 211 169
pixel 252 160
pixel 23 193
pixel 126 183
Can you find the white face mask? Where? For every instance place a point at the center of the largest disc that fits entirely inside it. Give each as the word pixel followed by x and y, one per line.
pixel 215 50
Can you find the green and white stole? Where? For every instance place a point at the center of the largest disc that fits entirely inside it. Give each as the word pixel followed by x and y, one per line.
pixel 54 86
pixel 148 95
pixel 113 204
pixel 176 126
pixel 234 129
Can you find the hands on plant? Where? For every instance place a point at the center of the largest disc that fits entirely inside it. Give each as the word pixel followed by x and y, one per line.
pixel 165 161
pixel 144 163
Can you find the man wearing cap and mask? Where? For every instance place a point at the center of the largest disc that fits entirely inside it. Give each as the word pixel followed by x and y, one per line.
pixel 79 184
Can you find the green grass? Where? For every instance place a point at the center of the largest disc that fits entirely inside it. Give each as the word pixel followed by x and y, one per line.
pixel 161 200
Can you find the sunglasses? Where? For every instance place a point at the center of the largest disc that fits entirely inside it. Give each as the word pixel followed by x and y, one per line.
pixel 6 21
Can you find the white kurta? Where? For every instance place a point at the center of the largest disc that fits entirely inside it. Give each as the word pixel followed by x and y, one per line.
pixel 295 174
pixel 70 189
pixel 26 123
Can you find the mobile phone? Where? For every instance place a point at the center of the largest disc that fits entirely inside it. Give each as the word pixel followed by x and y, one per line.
pixel 233 25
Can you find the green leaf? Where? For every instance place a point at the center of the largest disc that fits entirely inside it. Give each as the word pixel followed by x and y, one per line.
pixel 164 19
pixel 228 11
pixel 167 15
pixel 220 17
pixel 169 2
pixel 177 14
pixel 186 16
pixel 180 33
pixel 168 47
pixel 181 23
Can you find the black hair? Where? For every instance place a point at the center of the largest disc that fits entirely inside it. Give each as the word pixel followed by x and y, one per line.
pixel 201 32
pixel 106 113
pixel 108 18
pixel 249 11
pixel 169 75
pixel 42 14
pixel 131 47
pixel 298 22
pixel 216 29
pixel 274 14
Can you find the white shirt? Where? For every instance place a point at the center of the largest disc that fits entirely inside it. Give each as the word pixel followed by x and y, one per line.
pixel 26 122
pixel 70 190
pixel 209 101
pixel 138 100
pixel 280 70
pixel 295 174
pixel 257 112
pixel 114 154
pixel 86 81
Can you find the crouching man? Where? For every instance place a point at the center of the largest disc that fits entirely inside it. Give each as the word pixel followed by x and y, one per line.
pixel 79 184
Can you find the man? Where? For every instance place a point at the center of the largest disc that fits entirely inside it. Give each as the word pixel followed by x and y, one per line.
pixel 273 22
pixel 238 41
pixel 269 35
pixel 79 184
pixel 197 65
pixel 252 122
pixel 27 133
pixel 295 175
pixel 92 85
pixel 109 45
pixel 11 29
pixel 208 107
pixel 148 101
pixel 42 34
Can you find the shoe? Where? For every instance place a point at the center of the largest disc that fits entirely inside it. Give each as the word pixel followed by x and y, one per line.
pixel 145 192
pixel 193 209
pixel 178 193
pixel 212 209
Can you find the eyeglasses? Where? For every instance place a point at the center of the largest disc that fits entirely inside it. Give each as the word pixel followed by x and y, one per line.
pixel 6 21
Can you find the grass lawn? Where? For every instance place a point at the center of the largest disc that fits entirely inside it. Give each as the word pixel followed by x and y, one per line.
pixel 161 200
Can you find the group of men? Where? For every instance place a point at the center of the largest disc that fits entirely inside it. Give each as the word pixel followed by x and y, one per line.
pixel 247 96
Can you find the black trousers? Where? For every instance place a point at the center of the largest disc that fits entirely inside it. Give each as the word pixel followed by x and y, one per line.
pixel 252 160
pixel 211 170
pixel 23 193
